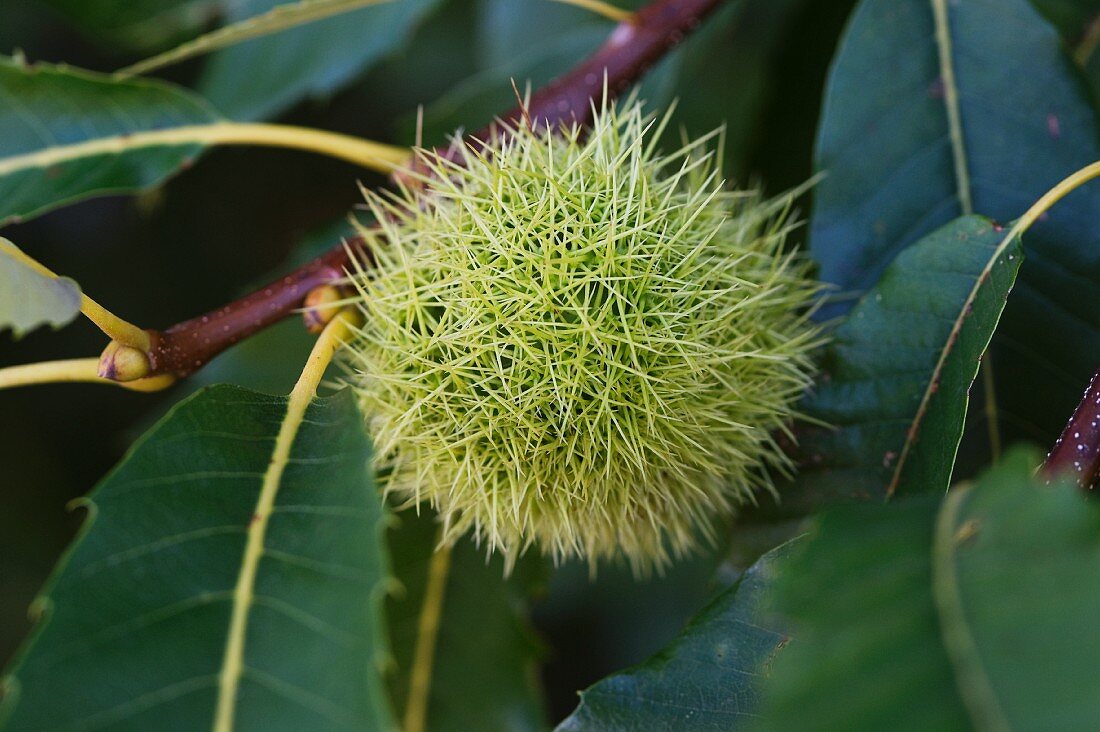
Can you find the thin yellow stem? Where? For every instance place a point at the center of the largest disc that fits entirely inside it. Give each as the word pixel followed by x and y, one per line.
pixel 72 371
pixel 1089 43
pixel 334 334
pixel 1051 197
pixel 599 7
pixel 420 677
pixel 989 388
pixel 367 153
pixel 971 676
pixel 115 327
pixel 282 17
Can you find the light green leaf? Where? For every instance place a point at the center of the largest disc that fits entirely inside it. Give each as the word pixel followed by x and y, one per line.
pixel 139 623
pixel 485 674
pixel 704 680
pixel 264 76
pixel 67 134
pixel 937 108
pixel 974 612
pixel 30 298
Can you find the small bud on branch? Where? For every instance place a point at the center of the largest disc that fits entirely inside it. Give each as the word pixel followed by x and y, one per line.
pixel 188 346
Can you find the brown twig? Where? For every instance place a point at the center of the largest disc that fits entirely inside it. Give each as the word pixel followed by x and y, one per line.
pixel 631 49
pixel 633 46
pixel 1077 451
pixel 189 345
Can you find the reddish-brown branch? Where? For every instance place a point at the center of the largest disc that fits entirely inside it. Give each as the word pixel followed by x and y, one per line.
pixel 631 49
pixel 1077 451
pixel 188 346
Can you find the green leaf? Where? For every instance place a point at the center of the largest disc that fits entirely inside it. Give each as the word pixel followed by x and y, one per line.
pixel 746 38
pixel 704 680
pixel 1079 23
pixel 898 373
pixel 731 93
pixel 1016 581
pixel 138 25
pixel 504 28
pixel 974 613
pixel 888 147
pixel 1071 17
pixel 264 76
pixel 865 652
pixel 29 298
pixel 484 675
pixel 476 100
pixel 897 169
pixel 67 134
pixel 135 625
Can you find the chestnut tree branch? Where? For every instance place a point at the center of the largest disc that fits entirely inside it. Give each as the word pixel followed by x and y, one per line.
pixel 631 49
pixel 1077 451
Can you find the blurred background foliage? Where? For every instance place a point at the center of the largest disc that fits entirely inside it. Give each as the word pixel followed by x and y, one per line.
pixel 240 215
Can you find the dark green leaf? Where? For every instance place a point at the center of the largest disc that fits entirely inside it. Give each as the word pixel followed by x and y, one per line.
pixel 264 76
pixel 977 612
pixel 892 161
pixel 474 102
pixel 726 75
pixel 865 652
pixel 1079 23
pixel 485 672
pixel 135 622
pixel 1016 578
pixel 139 25
pixel 707 678
pixel 67 134
pixel 504 27
pixel 29 298
pixel 897 376
pixel 1071 17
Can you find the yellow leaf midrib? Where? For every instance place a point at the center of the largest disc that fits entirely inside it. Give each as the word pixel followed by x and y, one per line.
pixel 305 390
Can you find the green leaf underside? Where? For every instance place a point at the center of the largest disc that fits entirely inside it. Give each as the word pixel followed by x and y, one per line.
pixel 1026 122
pixel 136 619
pixel 485 674
pixel 707 679
pixel 44 108
pixel 885 362
pixel 922 615
pixel 29 299
pixel 262 77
